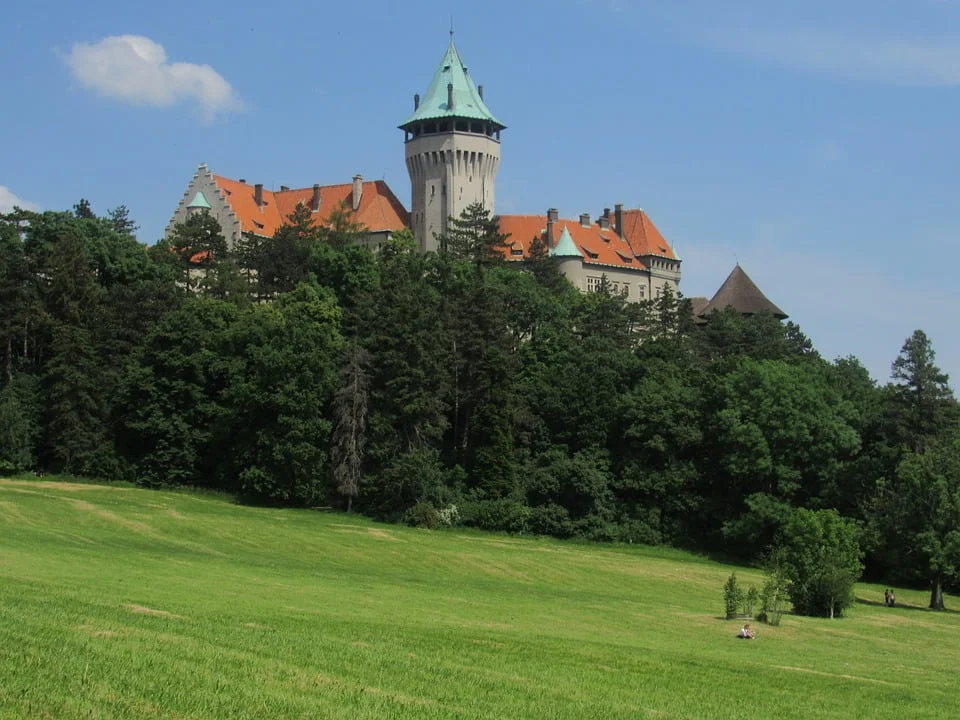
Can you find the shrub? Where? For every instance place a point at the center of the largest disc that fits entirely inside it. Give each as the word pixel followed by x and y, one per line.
pixel 732 597
pixel 422 515
pixel 503 514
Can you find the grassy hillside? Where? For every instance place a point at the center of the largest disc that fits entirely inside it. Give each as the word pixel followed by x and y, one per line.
pixel 125 603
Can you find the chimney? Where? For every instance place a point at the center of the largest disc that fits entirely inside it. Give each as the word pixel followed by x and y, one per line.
pixel 552 215
pixel 449 96
pixel 283 188
pixel 585 220
pixel 243 181
pixel 480 90
pixel 604 221
pixel 357 191
pixel 618 211
pixel 258 194
pixel 315 204
pixel 416 102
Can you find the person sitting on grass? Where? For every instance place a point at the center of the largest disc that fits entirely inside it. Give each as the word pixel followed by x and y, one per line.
pixel 746 633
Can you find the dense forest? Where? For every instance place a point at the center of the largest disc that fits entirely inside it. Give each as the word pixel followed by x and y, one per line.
pixel 450 388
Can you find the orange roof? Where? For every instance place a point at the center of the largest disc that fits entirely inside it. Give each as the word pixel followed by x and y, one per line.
pixel 379 210
pixel 597 245
pixel 643 235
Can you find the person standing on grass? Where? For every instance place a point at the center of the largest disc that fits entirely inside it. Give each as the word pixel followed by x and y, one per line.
pixel 886 596
pixel 893 598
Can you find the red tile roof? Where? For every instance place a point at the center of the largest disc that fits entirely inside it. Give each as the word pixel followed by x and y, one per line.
pixel 643 235
pixel 379 210
pixel 597 245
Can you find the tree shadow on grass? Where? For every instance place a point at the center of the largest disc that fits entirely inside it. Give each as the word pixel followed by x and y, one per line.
pixel 904 606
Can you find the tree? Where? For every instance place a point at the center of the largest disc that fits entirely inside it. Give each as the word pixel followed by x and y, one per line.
pixel 122 222
pixel 823 561
pixel 350 405
pixel 19 424
pixel 341 229
pixel 474 236
pixel 924 403
pixel 199 245
pixel 917 515
pixel 280 261
pixel 83 210
pixel 281 379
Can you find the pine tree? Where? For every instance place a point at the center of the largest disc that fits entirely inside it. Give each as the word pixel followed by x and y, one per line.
pixel 923 398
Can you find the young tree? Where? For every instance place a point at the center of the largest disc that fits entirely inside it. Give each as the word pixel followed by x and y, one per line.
pixel 924 403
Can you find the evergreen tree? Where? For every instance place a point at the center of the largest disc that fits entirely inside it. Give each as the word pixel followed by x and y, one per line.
pixel 924 404
pixel 350 407
pixel 475 237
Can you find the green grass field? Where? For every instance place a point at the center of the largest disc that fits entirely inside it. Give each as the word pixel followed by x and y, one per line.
pixel 126 603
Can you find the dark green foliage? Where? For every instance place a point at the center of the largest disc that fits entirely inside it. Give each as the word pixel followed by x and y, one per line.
pixel 281 380
pixel 474 237
pixel 916 516
pixel 923 402
pixel 19 424
pixel 456 388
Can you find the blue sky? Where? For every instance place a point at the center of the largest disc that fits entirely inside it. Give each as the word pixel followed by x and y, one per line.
pixel 814 142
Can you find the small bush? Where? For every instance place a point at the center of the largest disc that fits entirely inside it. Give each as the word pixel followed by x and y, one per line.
pixel 422 515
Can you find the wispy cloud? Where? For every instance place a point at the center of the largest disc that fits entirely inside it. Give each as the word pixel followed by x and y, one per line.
pixel 8 201
pixel 135 70
pixel 886 60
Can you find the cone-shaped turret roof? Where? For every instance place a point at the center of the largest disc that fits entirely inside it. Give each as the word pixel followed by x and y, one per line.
pixel 467 102
pixel 741 293
pixel 565 246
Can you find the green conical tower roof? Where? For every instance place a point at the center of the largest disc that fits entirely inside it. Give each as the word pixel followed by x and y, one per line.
pixel 565 246
pixel 467 102
pixel 199 201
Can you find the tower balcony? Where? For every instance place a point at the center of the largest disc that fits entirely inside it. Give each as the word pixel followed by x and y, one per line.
pixel 446 126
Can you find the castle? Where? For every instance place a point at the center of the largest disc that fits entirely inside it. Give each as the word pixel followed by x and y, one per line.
pixel 452 148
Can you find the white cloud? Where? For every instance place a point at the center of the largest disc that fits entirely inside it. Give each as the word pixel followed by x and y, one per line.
pixel 8 201
pixel 134 69
pixel 855 56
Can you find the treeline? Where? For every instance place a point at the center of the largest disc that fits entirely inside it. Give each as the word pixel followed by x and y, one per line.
pixel 449 388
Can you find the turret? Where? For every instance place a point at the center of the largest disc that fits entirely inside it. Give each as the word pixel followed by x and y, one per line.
pixel 452 143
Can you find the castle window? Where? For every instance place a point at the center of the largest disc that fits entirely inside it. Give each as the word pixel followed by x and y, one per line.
pixel 593 284
pixel 641 292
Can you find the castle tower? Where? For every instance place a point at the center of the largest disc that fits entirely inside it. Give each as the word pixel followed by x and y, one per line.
pixel 452 149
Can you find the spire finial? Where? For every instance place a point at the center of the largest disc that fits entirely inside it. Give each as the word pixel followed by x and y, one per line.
pixel 451 27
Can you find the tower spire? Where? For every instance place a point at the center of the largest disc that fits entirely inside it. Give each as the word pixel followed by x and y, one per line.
pixel 451 27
